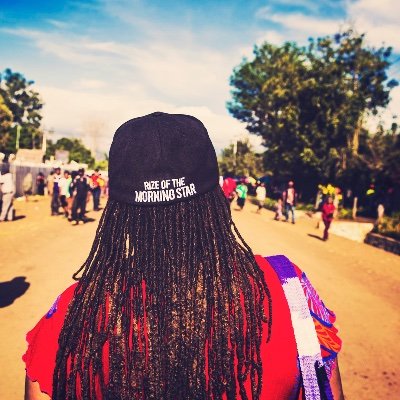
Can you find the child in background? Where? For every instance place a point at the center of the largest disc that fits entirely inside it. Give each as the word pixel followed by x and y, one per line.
pixel 241 191
pixel 278 210
pixel 261 194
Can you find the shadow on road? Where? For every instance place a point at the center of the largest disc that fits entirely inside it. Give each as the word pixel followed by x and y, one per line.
pixel 17 217
pixel 315 237
pixel 11 290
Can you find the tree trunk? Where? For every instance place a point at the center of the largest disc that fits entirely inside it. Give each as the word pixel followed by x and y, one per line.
pixel 354 142
pixel 354 214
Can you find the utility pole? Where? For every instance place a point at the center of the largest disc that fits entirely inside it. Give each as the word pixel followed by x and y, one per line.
pixel 44 142
pixel 18 136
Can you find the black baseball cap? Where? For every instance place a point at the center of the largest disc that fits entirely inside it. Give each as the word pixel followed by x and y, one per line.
pixel 161 158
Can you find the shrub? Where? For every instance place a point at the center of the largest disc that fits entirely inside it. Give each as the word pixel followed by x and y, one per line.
pixel 345 213
pixel 305 207
pixel 389 226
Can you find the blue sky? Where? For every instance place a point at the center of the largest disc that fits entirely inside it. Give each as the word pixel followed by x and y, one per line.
pixel 98 63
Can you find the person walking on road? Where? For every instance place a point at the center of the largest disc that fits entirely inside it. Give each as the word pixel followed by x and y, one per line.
pixel 229 187
pixel 172 304
pixel 54 191
pixel 7 187
pixel 95 189
pixel 289 199
pixel 241 191
pixel 278 210
pixel 80 189
pixel 27 185
pixel 40 184
pixel 261 195
pixel 328 211
pixel 65 193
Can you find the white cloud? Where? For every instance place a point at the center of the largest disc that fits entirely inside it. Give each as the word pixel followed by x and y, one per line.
pixel 272 37
pixel 379 20
pixel 172 70
pixel 388 115
pixel 298 26
pixel 58 24
pixel 181 75
pixel 73 111
pixel 91 84
pixel 66 47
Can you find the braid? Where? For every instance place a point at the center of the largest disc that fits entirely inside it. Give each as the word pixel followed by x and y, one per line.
pixel 174 302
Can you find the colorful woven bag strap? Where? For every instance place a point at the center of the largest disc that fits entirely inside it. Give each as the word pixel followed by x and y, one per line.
pixel 314 379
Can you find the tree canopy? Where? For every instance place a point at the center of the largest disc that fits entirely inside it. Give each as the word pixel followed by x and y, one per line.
pixel 77 150
pixel 20 120
pixel 241 160
pixel 309 104
pixel 23 106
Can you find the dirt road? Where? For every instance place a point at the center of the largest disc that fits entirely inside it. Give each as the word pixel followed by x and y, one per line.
pixel 360 283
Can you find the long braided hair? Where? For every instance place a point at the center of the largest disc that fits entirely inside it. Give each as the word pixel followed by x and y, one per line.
pixel 174 302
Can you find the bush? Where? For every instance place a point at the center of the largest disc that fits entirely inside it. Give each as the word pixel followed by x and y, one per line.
pixel 389 226
pixel 269 203
pixel 345 213
pixel 305 207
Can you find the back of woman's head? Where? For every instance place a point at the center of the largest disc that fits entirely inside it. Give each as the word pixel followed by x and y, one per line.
pixel 170 305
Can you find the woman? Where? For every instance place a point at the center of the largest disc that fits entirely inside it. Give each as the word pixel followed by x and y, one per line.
pixel 170 304
pixel 328 211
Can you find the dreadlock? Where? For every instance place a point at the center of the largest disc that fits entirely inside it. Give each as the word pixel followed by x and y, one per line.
pixel 173 300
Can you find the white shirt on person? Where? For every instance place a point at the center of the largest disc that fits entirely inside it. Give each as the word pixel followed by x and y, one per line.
pixel 7 183
pixel 64 186
pixel 261 193
pixel 290 196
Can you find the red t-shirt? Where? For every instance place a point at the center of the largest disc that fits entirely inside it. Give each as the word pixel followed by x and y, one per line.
pixel 280 366
pixel 327 211
pixel 228 187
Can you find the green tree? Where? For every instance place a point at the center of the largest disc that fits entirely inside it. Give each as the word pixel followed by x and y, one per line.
pixel 241 159
pixel 352 77
pixel 6 119
pixel 308 104
pixel 382 156
pixel 77 150
pixel 25 106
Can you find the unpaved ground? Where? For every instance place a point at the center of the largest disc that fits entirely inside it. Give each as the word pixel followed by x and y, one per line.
pixel 360 283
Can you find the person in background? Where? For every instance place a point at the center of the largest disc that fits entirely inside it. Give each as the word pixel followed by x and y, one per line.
pixel 65 193
pixel 27 185
pixel 278 210
pixel 79 190
pixel 40 184
pixel 328 211
pixel 229 187
pixel 336 201
pixel 50 182
pixel 261 194
pixel 241 191
pixel 8 190
pixel 95 189
pixel 289 200
pixel 54 191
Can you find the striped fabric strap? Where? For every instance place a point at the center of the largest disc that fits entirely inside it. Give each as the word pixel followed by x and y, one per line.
pixel 315 383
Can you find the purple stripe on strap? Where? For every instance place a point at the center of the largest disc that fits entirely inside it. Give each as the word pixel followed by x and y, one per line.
pixel 315 384
pixel 282 266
